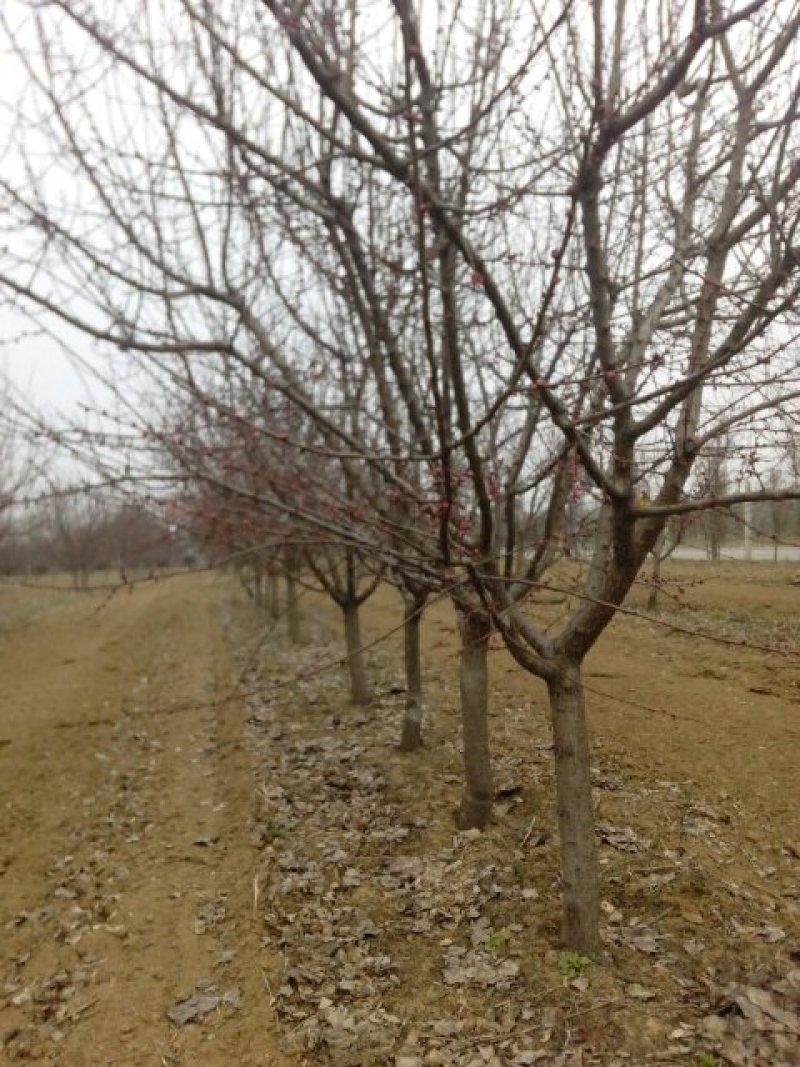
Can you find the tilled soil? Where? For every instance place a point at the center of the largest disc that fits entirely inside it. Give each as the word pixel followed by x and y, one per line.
pixel 209 858
pixel 126 865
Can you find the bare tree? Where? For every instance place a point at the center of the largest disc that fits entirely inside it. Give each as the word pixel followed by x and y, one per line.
pixel 80 532
pixel 712 480
pixel 667 541
pixel 343 577
pixel 779 515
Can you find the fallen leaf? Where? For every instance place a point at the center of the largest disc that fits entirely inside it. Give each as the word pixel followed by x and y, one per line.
pixel 638 992
pixel 190 1009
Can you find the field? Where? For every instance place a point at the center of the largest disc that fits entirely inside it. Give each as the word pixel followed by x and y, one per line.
pixel 208 859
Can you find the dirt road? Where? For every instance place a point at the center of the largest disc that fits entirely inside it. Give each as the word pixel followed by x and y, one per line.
pixel 125 863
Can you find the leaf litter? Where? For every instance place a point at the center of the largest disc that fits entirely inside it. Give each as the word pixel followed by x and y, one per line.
pixel 196 1006
pixel 404 942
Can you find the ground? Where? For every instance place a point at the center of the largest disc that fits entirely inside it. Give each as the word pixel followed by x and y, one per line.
pixel 208 858
pixel 125 853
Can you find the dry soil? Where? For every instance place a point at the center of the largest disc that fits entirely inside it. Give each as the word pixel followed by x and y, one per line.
pixel 207 858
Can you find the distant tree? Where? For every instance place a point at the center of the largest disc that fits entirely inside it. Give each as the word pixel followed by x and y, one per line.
pixel 779 513
pixel 18 474
pixel 712 482
pixel 79 526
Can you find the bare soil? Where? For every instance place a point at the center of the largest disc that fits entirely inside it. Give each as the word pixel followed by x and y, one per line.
pixel 125 862
pixel 195 822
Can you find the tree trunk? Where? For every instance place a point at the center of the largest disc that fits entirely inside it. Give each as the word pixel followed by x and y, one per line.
pixel 244 580
pixel 411 737
pixel 652 600
pixel 273 596
pixel 293 611
pixel 258 586
pixel 579 872
pixel 476 800
pixel 359 690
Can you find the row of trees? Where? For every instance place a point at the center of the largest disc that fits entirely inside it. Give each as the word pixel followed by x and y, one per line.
pixel 428 294
pixel 83 533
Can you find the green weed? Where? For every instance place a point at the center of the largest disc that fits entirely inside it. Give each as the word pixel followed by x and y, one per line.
pixel 706 1059
pixel 496 941
pixel 573 964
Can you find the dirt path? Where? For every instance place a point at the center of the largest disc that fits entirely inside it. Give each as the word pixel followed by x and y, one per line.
pixel 275 868
pixel 126 866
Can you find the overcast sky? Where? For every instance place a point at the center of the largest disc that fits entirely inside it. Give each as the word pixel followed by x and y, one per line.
pixel 35 363
pixel 38 369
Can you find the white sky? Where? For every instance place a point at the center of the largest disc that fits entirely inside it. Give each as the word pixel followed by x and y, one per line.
pixel 41 372
pixel 36 368
pixel 33 362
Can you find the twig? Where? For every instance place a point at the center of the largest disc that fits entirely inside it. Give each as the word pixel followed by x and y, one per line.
pixel 571 1015
pixel 84 1007
pixel 528 833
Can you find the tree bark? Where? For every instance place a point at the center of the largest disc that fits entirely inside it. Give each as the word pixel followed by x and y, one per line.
pixel 652 600
pixel 244 580
pixel 258 586
pixel 359 690
pixel 476 800
pixel 411 736
pixel 273 595
pixel 293 611
pixel 579 871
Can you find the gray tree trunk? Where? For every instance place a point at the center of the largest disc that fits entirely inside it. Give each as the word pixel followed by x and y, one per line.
pixel 244 580
pixel 652 600
pixel 411 736
pixel 359 690
pixel 273 595
pixel 579 872
pixel 476 800
pixel 293 611
pixel 258 586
